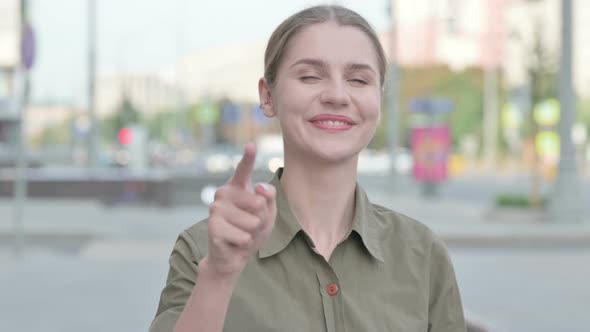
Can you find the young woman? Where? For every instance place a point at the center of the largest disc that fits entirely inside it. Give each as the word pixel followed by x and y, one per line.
pixel 309 251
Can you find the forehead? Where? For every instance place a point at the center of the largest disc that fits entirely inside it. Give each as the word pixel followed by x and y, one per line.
pixel 332 43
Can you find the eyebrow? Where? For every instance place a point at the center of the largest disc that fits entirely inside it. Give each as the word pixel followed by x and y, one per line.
pixel 360 66
pixel 311 62
pixel 321 64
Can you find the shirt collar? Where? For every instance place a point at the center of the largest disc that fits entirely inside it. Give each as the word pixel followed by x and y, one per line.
pixel 365 225
pixel 287 226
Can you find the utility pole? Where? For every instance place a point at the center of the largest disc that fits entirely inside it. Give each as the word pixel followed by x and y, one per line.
pixel 566 205
pixel 491 108
pixel 21 82
pixel 393 123
pixel 490 116
pixel 93 131
pixel 181 102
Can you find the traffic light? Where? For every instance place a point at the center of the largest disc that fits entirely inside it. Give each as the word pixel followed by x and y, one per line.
pixel 133 141
pixel 125 136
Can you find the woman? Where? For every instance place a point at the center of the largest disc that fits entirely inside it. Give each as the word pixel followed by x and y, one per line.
pixel 309 252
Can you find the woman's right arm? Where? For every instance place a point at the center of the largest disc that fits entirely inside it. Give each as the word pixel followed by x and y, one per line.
pixel 240 220
pixel 206 308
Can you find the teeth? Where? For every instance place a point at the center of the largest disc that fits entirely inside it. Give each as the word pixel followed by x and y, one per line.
pixel 333 123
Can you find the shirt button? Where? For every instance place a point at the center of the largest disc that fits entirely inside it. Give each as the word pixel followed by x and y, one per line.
pixel 332 289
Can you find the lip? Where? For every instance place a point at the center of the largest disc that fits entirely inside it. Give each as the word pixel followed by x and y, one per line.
pixel 317 120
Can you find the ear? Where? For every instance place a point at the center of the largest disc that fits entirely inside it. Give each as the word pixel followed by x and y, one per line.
pixel 264 93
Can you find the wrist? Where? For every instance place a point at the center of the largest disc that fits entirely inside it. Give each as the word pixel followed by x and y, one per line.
pixel 207 271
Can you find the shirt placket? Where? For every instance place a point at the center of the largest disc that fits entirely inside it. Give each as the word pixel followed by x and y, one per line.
pixel 329 287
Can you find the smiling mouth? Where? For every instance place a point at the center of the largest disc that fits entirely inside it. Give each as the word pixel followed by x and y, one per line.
pixel 332 123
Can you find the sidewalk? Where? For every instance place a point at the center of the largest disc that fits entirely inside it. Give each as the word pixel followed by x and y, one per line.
pixel 469 224
pixel 70 225
pixel 74 226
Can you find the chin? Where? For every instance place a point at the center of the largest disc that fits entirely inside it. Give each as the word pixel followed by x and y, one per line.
pixel 325 150
pixel 336 153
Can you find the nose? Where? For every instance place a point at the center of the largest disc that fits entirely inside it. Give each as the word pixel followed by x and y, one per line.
pixel 335 94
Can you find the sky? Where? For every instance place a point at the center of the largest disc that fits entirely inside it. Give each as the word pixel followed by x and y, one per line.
pixel 149 35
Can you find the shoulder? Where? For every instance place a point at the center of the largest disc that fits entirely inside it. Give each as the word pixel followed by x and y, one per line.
pixel 390 221
pixel 196 238
pixel 398 231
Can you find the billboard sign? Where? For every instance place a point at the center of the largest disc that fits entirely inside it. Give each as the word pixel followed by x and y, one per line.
pixel 431 105
pixel 28 47
pixel 431 148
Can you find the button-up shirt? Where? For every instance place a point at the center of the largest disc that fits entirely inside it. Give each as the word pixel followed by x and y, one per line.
pixel 390 273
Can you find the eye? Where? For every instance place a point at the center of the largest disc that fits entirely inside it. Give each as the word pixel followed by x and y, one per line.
pixel 309 79
pixel 358 82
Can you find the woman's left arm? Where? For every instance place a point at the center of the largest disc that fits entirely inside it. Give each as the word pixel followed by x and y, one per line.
pixel 445 310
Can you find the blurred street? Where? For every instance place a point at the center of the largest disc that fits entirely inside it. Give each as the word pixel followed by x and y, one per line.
pixel 96 268
pixel 119 120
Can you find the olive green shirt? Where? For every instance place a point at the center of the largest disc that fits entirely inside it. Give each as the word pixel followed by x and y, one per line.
pixel 391 273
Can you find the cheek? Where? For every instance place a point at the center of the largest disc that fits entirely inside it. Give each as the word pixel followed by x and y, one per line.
pixel 371 104
pixel 293 102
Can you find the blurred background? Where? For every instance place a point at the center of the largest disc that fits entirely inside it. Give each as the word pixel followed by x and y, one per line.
pixel 119 119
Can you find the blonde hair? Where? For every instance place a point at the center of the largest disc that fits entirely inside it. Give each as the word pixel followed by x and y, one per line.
pixel 279 39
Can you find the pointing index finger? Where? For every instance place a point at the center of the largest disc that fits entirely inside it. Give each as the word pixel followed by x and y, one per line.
pixel 243 175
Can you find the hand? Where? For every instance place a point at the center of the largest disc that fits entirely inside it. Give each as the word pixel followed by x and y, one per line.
pixel 240 220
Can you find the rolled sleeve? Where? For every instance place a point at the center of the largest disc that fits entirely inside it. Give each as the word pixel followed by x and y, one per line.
pixel 179 284
pixel 445 312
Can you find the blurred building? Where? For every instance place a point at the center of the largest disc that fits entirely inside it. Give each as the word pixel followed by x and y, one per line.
pixel 41 117
pixel 480 33
pixel 149 93
pixel 230 71
pixel 459 33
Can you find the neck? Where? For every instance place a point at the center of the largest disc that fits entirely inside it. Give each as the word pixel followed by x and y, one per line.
pixel 322 197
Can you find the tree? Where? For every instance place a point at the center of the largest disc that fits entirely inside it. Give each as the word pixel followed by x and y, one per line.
pixel 542 74
pixel 125 115
pixel 161 124
pixel 463 88
pixel 584 111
